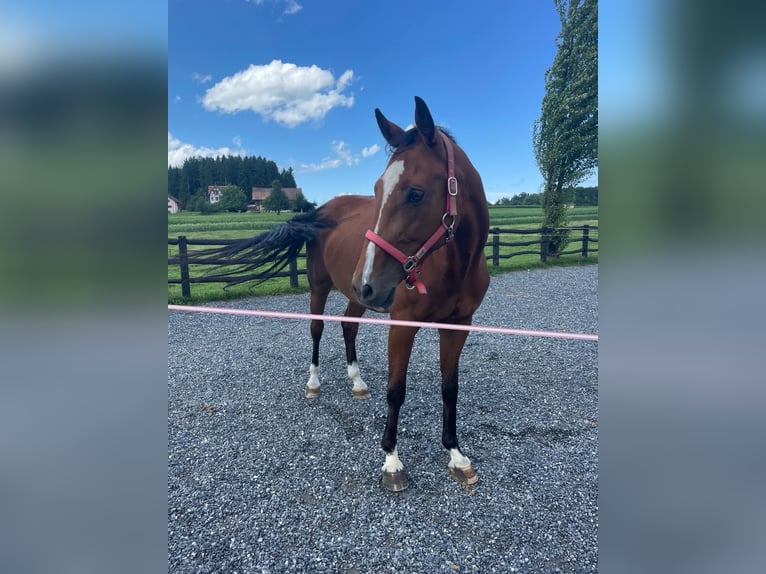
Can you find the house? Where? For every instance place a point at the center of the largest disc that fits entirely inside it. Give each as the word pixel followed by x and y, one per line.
pixel 214 193
pixel 174 206
pixel 261 193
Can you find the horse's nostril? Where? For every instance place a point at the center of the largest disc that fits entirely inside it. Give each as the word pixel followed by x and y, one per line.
pixel 366 291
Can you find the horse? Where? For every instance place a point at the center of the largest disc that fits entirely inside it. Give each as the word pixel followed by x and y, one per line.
pixel 414 250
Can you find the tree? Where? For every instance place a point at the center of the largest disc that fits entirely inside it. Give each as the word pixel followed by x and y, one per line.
pixel 233 199
pixel 205 207
pixel 245 172
pixel 525 199
pixel 286 178
pixel 586 196
pixel 565 138
pixel 277 200
pixel 199 202
pixel 302 204
pixel 532 199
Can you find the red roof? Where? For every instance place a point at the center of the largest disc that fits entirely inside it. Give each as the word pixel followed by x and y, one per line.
pixel 261 193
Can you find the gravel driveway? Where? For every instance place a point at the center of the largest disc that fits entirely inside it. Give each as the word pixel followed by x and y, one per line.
pixel 262 480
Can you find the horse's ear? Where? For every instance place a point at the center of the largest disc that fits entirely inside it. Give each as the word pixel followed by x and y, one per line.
pixel 424 122
pixel 391 132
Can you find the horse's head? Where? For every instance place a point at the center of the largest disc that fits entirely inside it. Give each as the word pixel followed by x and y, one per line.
pixel 416 207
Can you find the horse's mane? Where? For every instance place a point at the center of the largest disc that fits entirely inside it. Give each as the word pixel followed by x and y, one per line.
pixel 408 138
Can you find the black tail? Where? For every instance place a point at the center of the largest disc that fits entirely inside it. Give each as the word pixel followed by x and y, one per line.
pixel 267 253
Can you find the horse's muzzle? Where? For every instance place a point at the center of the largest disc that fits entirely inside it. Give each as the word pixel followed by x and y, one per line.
pixel 377 300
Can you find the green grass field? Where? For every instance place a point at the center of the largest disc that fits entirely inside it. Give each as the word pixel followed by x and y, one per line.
pixel 240 225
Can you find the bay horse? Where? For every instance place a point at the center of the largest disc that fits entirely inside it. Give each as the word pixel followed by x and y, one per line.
pixel 414 250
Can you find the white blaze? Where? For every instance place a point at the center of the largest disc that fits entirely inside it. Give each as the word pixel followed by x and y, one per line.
pixel 390 179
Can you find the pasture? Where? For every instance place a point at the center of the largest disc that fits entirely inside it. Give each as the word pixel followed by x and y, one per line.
pixel 261 479
pixel 240 225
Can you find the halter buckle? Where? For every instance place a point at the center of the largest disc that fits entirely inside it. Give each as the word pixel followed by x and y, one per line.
pixel 409 264
pixel 452 186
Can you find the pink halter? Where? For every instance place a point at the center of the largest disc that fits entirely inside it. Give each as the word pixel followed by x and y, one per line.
pixel 411 263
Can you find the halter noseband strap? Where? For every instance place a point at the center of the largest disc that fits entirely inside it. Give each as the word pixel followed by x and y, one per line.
pixel 411 263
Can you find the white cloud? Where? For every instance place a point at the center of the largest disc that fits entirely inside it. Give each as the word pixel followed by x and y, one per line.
pixel 371 150
pixel 291 6
pixel 178 152
pixel 237 141
pixel 345 79
pixel 343 153
pixel 282 92
pixel 326 163
pixel 202 78
pixel 343 156
pixel 177 100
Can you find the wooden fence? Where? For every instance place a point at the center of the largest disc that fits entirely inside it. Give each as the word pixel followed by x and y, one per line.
pixel 542 242
pixel 495 241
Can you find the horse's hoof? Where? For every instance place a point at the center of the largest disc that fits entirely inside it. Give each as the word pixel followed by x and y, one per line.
pixel 465 475
pixel 312 392
pixel 361 393
pixel 395 481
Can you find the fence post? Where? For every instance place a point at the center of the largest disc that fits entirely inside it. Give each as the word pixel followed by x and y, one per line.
pixel 294 272
pixel 183 263
pixel 496 247
pixel 544 240
pixel 585 240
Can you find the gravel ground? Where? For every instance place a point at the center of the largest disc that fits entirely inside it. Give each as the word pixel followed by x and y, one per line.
pixel 262 480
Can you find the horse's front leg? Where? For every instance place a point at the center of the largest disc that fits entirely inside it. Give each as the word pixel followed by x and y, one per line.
pixel 359 389
pixel 400 340
pixel 450 346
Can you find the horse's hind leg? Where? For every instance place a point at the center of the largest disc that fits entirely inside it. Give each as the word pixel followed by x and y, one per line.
pixel 359 390
pixel 317 304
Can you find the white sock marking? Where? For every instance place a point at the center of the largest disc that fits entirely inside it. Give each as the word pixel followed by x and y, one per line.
pixel 356 377
pixel 390 178
pixel 392 464
pixel 457 460
pixel 313 377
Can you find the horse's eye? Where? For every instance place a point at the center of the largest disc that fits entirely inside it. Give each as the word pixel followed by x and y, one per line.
pixel 415 196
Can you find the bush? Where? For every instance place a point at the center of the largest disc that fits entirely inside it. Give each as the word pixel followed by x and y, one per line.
pixel 202 205
pixel 232 199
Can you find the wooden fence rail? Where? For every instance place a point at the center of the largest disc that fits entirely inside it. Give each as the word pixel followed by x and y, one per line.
pixel 542 242
pixel 184 258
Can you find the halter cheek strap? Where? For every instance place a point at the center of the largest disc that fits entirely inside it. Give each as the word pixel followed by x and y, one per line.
pixel 411 263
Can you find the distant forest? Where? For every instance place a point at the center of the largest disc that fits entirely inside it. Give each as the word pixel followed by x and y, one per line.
pixel 577 195
pixel 245 172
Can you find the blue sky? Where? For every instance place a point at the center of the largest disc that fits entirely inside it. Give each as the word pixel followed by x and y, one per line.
pixel 297 81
